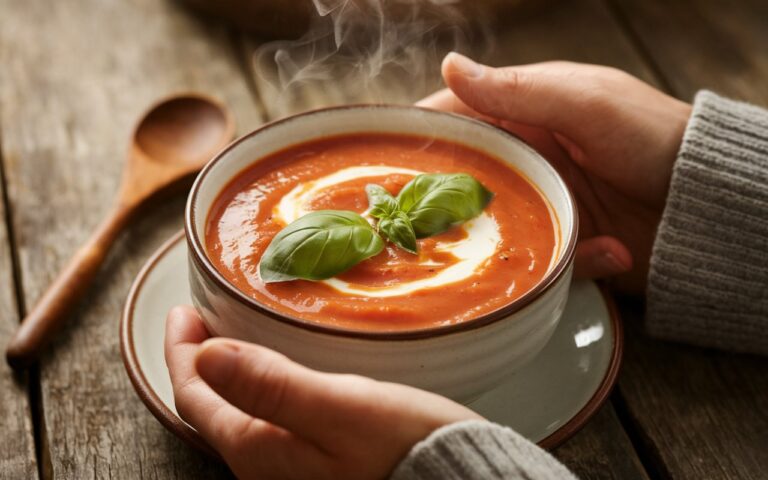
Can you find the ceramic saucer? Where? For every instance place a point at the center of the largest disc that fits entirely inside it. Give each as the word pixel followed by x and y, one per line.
pixel 547 401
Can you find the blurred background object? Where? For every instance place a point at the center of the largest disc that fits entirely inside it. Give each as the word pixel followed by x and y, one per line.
pixel 285 19
pixel 319 53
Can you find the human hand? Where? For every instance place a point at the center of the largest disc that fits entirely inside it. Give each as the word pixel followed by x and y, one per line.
pixel 270 417
pixel 612 137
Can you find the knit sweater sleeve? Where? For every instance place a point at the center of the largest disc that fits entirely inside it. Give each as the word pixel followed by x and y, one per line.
pixel 708 280
pixel 477 449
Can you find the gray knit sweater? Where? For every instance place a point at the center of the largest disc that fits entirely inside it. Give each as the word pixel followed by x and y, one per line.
pixel 707 285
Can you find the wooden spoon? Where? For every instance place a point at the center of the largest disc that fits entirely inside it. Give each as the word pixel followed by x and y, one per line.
pixel 172 142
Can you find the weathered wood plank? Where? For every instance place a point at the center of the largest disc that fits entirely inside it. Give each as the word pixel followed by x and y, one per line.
pixel 700 413
pixel 578 31
pixel 17 455
pixel 699 44
pixel 75 78
pixel 601 450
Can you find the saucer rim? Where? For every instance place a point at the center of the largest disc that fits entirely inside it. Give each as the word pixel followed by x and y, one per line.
pixel 177 426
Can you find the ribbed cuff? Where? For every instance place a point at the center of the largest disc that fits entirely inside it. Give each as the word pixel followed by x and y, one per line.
pixel 708 279
pixel 477 449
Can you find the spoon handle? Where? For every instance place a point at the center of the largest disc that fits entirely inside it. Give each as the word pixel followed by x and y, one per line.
pixel 50 312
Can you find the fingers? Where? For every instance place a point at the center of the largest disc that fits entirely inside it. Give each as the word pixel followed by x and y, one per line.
pixel 196 402
pixel 542 140
pixel 540 94
pixel 601 257
pixel 246 443
pixel 371 423
pixel 269 386
pixel 447 101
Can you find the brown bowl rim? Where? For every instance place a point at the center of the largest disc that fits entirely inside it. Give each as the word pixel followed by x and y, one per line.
pixel 201 259
pixel 189 435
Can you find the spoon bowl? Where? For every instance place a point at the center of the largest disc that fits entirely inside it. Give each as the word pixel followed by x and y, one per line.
pixel 171 142
pixel 183 129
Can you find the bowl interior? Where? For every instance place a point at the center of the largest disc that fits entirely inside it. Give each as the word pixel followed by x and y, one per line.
pixel 384 119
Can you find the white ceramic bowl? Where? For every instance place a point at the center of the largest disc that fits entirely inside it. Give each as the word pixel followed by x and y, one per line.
pixel 460 361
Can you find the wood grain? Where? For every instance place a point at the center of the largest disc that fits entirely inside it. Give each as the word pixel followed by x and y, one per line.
pixel 698 413
pixel 75 78
pixel 579 31
pixel 698 44
pixel 17 455
pixel 601 450
pixel 160 161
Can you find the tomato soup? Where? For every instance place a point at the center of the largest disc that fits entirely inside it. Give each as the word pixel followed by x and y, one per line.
pixel 463 273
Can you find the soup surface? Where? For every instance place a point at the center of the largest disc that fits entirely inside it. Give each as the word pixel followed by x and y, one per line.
pixel 470 270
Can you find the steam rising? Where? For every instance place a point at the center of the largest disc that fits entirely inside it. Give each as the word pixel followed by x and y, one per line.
pixel 381 51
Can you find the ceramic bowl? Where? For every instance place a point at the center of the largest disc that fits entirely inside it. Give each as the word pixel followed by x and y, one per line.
pixel 460 361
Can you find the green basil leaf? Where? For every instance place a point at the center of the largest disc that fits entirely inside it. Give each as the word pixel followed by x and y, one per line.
pixel 380 202
pixel 319 245
pixel 393 222
pixel 398 229
pixel 436 201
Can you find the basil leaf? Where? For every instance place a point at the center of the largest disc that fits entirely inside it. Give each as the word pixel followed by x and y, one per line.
pixel 436 201
pixel 398 229
pixel 319 245
pixel 380 202
pixel 393 222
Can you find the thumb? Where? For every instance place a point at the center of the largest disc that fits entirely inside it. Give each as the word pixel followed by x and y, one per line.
pixel 268 386
pixel 541 95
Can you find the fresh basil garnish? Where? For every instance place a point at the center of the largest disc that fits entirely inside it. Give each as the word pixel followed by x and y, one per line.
pixel 325 243
pixel 319 245
pixel 393 223
pixel 398 229
pixel 381 203
pixel 436 201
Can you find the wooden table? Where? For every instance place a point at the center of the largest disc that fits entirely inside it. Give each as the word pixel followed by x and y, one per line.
pixel 75 75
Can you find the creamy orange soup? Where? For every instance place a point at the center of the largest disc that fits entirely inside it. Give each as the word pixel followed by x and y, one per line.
pixel 470 270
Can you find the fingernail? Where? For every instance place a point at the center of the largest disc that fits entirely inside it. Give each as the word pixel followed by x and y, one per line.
pixel 216 362
pixel 612 263
pixel 468 67
pixel 177 314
